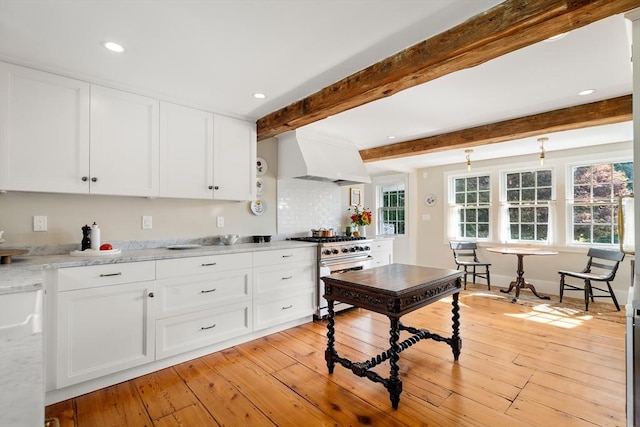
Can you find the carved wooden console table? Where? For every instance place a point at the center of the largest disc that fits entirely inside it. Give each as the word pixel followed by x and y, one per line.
pixel 393 290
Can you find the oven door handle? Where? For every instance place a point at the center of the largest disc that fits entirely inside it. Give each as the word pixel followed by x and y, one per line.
pixel 345 261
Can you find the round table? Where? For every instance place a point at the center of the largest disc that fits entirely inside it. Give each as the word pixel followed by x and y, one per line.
pixel 520 282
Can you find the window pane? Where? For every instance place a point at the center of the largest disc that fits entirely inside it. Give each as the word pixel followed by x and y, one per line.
pixel 459 185
pixel 582 175
pixel 470 230
pixel 460 198
pixel 528 179
pixel 483 215
pixel 471 215
pixel 581 214
pixel 513 195
pixel 472 198
pixel 513 180
pixel 483 183
pixel 544 194
pixel 542 232
pixel 483 231
pixel 484 197
pixel 514 231
pixel 527 214
pixel 514 214
pixel 401 198
pixel 602 234
pixel 602 173
pixel 542 215
pixel 582 192
pixel 529 194
pixel 527 232
pixel 544 178
pixel 472 184
pixel 582 233
pixel 602 214
pixel 602 192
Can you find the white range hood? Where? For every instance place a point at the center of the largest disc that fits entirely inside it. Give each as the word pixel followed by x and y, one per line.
pixel 319 158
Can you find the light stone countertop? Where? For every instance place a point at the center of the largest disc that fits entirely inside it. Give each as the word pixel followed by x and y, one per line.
pixel 25 272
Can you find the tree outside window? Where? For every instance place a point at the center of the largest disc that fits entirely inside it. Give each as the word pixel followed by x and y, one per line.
pixel 472 198
pixel 595 191
pixel 528 197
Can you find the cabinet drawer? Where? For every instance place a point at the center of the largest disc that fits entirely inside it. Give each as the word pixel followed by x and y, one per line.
pixel 382 246
pixel 180 295
pixel 202 264
pixel 282 256
pixel 191 331
pixel 104 275
pixel 273 311
pixel 286 278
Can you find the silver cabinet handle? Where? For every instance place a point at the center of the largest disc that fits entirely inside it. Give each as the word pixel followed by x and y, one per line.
pixel 287 256
pixel 287 278
pixel 287 307
pixel 208 290
pixel 209 264
pixel 111 274
pixel 208 327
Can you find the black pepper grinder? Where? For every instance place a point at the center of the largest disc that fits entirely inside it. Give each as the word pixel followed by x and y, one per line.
pixel 86 239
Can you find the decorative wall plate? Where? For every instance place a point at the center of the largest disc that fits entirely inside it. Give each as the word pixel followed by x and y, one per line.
pixel 430 199
pixel 259 186
pixel 258 207
pixel 261 166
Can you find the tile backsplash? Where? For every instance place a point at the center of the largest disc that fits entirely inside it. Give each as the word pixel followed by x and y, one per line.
pixel 304 205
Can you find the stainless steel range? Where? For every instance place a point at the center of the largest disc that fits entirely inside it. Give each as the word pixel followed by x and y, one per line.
pixel 336 255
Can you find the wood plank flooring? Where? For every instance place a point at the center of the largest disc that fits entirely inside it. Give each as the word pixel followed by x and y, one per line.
pixel 519 367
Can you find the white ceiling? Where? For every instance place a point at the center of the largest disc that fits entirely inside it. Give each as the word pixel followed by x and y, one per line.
pixel 215 54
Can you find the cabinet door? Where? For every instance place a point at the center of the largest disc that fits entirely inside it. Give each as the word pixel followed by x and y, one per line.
pixel 44 131
pixel 104 330
pixel 186 152
pixel 124 143
pixel 234 159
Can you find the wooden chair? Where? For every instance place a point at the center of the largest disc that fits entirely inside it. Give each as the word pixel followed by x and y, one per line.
pixel 464 254
pixel 601 267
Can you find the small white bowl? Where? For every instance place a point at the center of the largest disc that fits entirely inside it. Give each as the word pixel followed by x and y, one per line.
pixel 229 239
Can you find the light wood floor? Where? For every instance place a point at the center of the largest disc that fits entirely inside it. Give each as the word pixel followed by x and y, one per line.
pixel 518 367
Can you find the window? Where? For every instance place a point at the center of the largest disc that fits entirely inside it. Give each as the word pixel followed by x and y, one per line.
pixel 392 209
pixel 595 189
pixel 528 197
pixel 472 199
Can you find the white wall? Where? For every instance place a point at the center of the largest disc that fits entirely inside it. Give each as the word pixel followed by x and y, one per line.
pixel 432 248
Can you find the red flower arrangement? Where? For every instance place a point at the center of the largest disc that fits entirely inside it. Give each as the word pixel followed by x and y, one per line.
pixel 360 217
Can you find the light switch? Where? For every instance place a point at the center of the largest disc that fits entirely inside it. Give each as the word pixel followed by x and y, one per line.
pixel 147 222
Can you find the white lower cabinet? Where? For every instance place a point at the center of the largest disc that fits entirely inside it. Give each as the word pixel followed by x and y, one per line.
pixel 105 323
pixel 202 301
pixel 382 252
pixel 283 286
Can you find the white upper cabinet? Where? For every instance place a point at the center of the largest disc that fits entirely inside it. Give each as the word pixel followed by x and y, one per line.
pixel 186 152
pixel 234 159
pixel 125 143
pixel 44 131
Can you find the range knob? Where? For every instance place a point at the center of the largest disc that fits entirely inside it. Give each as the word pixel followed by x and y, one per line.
pixel 345 250
pixel 367 248
pixel 352 249
pixel 360 249
pixel 335 251
pixel 326 252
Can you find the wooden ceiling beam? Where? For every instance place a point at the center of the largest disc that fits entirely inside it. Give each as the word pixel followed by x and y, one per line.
pixel 609 111
pixel 505 28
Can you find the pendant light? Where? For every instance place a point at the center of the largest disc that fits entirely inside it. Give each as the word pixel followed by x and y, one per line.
pixel 541 141
pixel 468 153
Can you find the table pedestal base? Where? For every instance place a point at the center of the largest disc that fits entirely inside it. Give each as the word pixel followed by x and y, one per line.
pixel 393 383
pixel 520 283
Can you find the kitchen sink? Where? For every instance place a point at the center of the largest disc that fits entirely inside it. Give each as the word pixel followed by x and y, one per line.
pixel 20 314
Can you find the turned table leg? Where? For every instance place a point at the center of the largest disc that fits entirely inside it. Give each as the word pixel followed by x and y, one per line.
pixel 330 352
pixel 394 384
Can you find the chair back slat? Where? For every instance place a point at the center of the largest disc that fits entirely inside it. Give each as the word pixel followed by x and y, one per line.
pixel 604 262
pixel 462 250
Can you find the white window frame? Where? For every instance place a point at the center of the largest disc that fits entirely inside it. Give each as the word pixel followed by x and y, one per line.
pixel 505 220
pixel 453 208
pixel 388 181
pixel 570 202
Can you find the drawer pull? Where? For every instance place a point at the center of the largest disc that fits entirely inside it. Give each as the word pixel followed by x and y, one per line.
pixel 208 264
pixel 208 290
pixel 287 278
pixel 208 327
pixel 151 295
pixel 287 307
pixel 111 274
pixel 287 256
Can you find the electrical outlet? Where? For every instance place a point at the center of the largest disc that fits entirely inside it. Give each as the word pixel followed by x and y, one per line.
pixel 39 223
pixel 147 222
pixel 220 221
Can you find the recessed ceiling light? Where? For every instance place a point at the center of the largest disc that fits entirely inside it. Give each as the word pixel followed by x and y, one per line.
pixel 586 92
pixel 391 137
pixel 113 47
pixel 556 37
pixel 259 95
